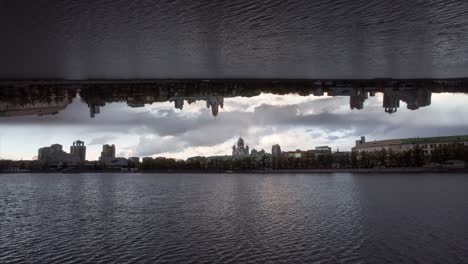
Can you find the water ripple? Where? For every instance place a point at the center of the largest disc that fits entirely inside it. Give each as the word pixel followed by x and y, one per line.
pixel 275 38
pixel 173 218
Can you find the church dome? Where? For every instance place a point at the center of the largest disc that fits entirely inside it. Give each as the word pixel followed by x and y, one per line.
pixel 240 142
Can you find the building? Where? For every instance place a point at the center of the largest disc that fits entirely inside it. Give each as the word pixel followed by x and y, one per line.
pixel 94 110
pixel 240 150
pixel 357 101
pixel 109 160
pixel 147 159
pixel 115 163
pixel 428 144
pixel 39 109
pixel 255 152
pixel 55 156
pixel 179 104
pixel 323 149
pixel 33 104
pixel 48 152
pixel 134 160
pixel 215 103
pixel 391 101
pixel 294 154
pixel 108 151
pixel 389 145
pixel 211 102
pixel 318 151
pixel 360 141
pixel 78 150
pixel 413 97
pixel 276 150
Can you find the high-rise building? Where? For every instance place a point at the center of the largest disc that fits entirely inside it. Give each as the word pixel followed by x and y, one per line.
pixel 276 150
pixel 54 155
pixel 417 98
pixel 108 151
pixel 391 102
pixel 179 103
pixel 361 141
pixel 52 152
pixel 78 150
pixel 357 101
pixel 94 110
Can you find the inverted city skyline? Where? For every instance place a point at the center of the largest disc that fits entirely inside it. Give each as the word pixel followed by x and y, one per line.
pixel 145 122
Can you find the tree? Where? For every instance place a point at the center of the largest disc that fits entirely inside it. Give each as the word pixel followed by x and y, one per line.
pixel 419 158
pixel 354 159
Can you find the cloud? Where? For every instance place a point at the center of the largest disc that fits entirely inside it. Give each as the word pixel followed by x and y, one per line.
pixel 159 129
pixel 102 140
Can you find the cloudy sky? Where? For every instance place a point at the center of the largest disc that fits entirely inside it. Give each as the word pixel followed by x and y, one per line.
pixel 293 121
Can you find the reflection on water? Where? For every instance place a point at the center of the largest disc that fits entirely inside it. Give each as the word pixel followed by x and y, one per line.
pixel 50 98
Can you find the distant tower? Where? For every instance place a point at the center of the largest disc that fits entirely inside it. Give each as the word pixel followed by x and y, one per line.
pixel 391 102
pixel 361 141
pixel 418 98
pixel 276 150
pixel 51 152
pixel 357 101
pixel 240 143
pixel 78 150
pixel 215 110
pixel 179 103
pixel 108 151
pixel 94 110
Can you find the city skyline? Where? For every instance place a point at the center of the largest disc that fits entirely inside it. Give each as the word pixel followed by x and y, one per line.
pixel 162 131
pixel 48 99
pixel 55 155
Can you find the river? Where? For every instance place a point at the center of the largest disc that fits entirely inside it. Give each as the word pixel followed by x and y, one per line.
pixel 233 39
pixel 233 218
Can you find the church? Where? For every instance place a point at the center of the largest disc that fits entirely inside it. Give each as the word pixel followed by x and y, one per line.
pixel 240 150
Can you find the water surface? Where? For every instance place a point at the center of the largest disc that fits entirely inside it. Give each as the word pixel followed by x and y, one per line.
pixel 229 218
pixel 233 39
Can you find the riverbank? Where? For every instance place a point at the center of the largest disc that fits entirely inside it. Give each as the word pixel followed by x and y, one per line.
pixel 324 171
pixel 216 81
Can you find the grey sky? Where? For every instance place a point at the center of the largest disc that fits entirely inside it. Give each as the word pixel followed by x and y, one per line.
pixel 293 121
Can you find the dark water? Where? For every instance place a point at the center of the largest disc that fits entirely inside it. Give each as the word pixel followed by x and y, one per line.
pixel 235 39
pixel 133 218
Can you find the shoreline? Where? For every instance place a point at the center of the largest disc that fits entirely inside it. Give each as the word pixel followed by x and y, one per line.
pixel 46 81
pixel 295 171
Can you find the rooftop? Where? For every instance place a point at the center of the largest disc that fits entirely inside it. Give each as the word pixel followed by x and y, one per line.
pixel 379 143
pixel 426 140
pixel 461 138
